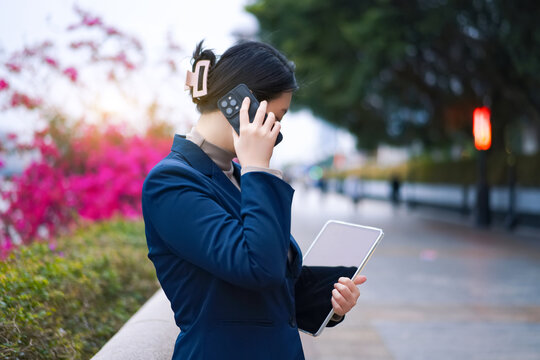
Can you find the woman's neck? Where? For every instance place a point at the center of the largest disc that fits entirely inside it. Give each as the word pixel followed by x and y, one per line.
pixel 215 128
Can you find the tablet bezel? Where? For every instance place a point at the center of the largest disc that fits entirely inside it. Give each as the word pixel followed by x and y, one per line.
pixel 360 267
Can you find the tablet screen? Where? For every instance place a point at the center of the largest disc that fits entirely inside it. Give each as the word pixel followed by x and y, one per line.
pixel 340 249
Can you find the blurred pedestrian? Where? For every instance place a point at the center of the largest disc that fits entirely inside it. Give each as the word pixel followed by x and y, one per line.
pixel 395 185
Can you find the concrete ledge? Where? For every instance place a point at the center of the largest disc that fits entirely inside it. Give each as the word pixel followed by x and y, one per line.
pixel 150 334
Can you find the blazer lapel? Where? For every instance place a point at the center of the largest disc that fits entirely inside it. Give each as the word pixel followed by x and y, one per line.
pixel 198 159
pixel 225 183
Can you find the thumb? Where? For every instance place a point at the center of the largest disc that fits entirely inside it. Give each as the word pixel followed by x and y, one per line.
pixel 360 279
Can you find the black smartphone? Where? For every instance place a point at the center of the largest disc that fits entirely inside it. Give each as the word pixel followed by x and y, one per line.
pixel 230 107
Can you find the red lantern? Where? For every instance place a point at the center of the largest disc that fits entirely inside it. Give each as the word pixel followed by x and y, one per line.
pixel 482 128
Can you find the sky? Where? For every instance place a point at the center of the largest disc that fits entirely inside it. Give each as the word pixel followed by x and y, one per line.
pixel 24 22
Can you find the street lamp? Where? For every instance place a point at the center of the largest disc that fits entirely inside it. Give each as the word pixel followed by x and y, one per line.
pixel 482 142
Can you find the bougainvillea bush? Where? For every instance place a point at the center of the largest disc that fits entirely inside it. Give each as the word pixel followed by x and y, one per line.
pixel 97 175
pixel 80 172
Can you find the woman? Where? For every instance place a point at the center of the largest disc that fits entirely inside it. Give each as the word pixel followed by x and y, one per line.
pixel 219 234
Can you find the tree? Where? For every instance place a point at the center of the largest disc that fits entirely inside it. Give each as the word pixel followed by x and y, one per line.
pixel 395 71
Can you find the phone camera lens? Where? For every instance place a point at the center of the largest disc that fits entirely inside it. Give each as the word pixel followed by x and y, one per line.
pixel 228 111
pixel 233 102
pixel 224 103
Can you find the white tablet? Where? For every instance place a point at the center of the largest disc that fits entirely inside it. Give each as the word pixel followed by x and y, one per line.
pixel 339 247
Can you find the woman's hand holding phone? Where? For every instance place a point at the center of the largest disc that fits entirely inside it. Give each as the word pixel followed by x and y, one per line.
pixel 255 144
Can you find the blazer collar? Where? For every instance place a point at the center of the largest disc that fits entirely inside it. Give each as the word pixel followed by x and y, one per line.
pixel 198 159
pixel 192 154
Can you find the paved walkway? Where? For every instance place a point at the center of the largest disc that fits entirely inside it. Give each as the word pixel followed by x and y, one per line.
pixel 437 287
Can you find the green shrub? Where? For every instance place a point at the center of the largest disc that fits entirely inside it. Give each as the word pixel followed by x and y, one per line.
pixel 461 172
pixel 67 302
pixel 372 172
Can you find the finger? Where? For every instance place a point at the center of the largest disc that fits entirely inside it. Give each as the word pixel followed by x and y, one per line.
pixel 269 122
pixel 244 113
pixel 346 292
pixel 341 300
pixel 351 285
pixel 259 115
pixel 337 308
pixel 360 279
pixel 275 129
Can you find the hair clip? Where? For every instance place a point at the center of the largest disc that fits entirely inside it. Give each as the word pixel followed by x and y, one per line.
pixel 193 80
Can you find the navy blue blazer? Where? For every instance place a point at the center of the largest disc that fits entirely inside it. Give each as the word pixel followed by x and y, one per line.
pixel 221 257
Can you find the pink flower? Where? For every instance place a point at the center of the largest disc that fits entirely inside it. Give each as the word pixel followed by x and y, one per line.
pixel 28 52
pixel 71 72
pixel 1 163
pixel 79 44
pixel 13 67
pixel 18 99
pixel 51 61
pixel 121 57
pixel 91 21
pixel 172 65
pixel 3 84
pixel 112 31
pixel 6 245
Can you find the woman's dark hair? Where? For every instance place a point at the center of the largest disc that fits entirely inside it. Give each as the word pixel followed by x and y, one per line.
pixel 265 71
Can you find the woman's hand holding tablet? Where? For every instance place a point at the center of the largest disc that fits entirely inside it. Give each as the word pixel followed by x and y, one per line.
pixel 330 274
pixel 345 294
